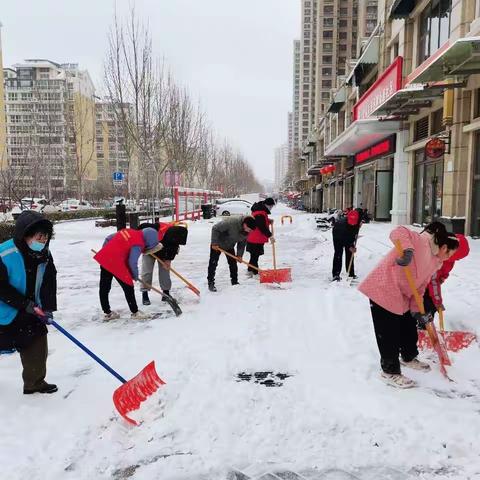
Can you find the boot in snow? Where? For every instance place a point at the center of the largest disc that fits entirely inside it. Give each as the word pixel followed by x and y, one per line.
pixel 138 315
pixel 145 299
pixel 111 316
pixel 249 274
pixel 398 380
pixel 43 388
pixel 235 282
pixel 212 287
pixel 416 364
pixel 336 278
pixel 166 292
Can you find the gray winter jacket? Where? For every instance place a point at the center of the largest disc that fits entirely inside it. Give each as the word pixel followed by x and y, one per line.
pixel 228 233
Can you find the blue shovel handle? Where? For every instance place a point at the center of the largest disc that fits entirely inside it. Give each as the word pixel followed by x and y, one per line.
pixel 87 351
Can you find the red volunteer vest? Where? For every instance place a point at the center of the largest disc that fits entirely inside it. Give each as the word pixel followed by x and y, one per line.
pixel 256 236
pixel 114 255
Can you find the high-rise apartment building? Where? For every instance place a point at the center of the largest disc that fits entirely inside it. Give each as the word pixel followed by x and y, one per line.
pixel 308 69
pixel 281 165
pixel 3 128
pixel 337 26
pixel 50 118
pixel 296 97
pixel 112 154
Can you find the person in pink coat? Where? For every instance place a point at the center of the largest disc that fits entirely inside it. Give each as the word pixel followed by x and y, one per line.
pixel 394 309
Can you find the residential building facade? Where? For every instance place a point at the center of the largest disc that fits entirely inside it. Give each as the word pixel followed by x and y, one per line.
pixel 403 129
pixel 50 119
pixel 281 165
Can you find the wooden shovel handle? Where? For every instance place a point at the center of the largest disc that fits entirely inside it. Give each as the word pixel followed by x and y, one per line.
pixel 192 287
pixel 273 250
pixel 410 280
pixel 236 258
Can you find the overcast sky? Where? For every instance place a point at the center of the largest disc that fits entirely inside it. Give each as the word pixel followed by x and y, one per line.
pixel 236 55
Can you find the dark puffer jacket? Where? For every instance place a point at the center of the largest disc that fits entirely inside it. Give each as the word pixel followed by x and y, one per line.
pixel 25 327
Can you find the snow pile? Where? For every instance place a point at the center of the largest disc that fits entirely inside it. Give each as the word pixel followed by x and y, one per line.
pixel 332 412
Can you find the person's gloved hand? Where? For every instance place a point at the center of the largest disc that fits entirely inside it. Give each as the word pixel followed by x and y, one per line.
pixel 353 249
pixel 422 319
pixel 272 239
pixel 406 258
pixel 34 309
pixel 440 307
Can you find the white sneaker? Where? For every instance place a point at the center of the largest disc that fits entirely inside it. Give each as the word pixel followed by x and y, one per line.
pixel 249 274
pixel 111 316
pixel 416 364
pixel 140 315
pixel 398 380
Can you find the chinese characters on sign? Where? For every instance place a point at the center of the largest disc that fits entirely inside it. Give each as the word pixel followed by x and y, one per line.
pixel 386 85
pixel 384 147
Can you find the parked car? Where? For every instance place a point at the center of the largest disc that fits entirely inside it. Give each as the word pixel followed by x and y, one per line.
pixel 72 204
pixel 234 207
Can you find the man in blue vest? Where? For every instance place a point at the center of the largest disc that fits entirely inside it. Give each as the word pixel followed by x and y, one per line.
pixel 28 295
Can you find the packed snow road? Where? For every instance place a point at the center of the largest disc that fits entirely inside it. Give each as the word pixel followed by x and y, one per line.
pixel 331 411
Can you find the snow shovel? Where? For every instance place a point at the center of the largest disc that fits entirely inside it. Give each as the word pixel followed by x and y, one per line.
pixel 277 275
pixel 265 275
pixel 454 340
pixel 192 287
pixel 438 346
pixel 132 393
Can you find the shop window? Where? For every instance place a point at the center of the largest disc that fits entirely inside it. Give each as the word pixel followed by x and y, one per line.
pixel 421 129
pixel 434 28
pixel 437 121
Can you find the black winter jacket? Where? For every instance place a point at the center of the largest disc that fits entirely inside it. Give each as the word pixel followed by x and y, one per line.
pixel 25 327
pixel 344 233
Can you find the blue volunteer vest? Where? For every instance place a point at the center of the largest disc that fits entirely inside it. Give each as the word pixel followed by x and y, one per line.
pixel 13 261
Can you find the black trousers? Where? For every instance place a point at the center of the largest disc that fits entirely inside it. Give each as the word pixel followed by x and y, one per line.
pixel 396 335
pixel 213 262
pixel 339 246
pixel 106 285
pixel 34 362
pixel 256 250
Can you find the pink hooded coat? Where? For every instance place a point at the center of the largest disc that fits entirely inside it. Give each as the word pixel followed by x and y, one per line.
pixel 387 284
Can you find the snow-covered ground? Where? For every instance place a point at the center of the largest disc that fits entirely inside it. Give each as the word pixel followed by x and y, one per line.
pixel 333 412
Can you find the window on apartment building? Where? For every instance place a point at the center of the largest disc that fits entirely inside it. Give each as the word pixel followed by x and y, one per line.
pixel 328 47
pixel 343 12
pixel 327 59
pixel 327 71
pixel 327 34
pixel 326 83
pixel 341 60
pixel 437 122
pixel 341 71
pixel 12 97
pixel 306 87
pixel 343 23
pixel 328 10
pixel 342 35
pixel 306 42
pixel 371 11
pixel 325 96
pixel 421 129
pixel 328 22
pixel 305 102
pixel 434 28
pixel 354 22
pixel 307 19
pixel 342 48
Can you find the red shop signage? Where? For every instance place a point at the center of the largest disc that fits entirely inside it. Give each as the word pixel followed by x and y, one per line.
pixel 380 149
pixel 386 85
pixel 435 148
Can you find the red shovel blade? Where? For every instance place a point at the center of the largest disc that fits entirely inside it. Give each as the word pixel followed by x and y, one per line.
pixel 131 394
pixel 281 275
pixel 454 341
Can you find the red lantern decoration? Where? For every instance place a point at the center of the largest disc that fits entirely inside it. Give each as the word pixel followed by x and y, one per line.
pixel 332 168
